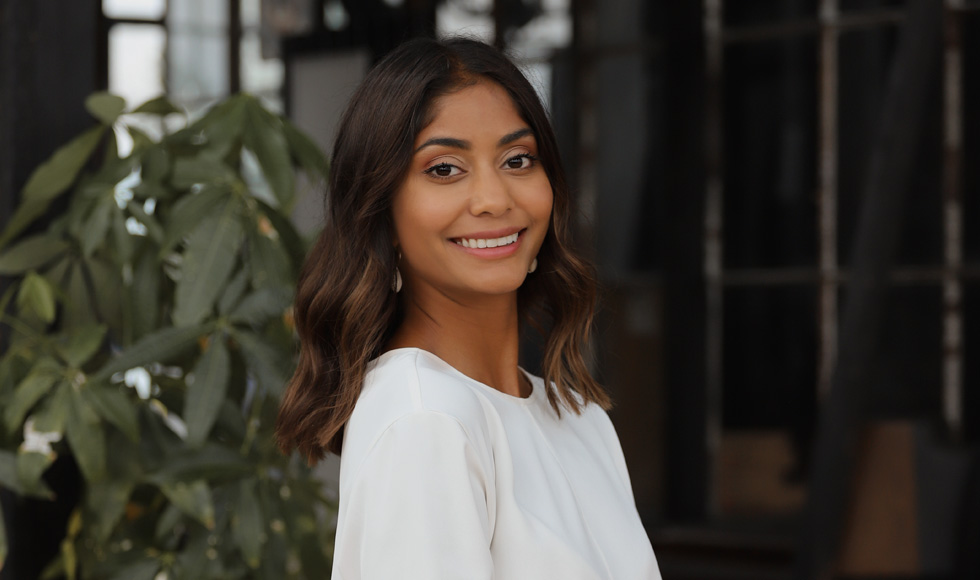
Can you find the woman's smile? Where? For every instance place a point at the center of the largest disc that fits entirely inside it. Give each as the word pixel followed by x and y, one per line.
pixel 496 244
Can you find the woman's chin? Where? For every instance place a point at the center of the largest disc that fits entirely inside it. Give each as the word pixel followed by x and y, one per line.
pixel 501 284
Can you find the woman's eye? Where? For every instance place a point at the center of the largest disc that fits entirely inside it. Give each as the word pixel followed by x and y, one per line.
pixel 522 161
pixel 443 170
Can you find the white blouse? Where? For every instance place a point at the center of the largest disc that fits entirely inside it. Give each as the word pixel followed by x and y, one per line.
pixel 444 477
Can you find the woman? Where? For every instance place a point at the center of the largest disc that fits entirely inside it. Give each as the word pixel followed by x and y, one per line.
pixel 448 226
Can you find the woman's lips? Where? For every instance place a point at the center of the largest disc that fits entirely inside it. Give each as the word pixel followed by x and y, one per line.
pixel 495 244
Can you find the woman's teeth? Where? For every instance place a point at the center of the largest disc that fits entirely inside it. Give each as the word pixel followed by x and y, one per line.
pixel 490 243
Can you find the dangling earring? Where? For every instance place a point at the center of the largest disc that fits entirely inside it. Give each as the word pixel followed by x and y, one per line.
pixel 396 282
pixel 533 266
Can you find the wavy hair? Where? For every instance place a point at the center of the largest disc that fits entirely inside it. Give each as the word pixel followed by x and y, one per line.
pixel 345 310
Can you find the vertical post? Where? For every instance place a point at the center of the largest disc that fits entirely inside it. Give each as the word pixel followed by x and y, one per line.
pixel 903 115
pixel 234 46
pixel 499 31
pixel 50 62
pixel 681 228
pixel 714 239
pixel 585 40
pixel 827 196
pixel 952 220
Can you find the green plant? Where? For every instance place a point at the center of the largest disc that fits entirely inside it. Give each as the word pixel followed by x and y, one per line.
pixel 148 335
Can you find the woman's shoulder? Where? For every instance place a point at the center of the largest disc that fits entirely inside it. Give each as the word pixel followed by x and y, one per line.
pixel 406 382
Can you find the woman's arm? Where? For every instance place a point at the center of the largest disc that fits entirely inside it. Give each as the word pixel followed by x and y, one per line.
pixel 420 506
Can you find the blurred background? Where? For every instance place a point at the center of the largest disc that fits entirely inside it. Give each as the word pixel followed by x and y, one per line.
pixel 781 197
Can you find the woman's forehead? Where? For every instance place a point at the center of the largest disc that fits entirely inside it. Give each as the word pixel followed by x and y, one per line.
pixel 481 109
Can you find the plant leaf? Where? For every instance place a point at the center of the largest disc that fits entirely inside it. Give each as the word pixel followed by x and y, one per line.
pixel 188 213
pixel 60 170
pixel 107 503
pixel 50 179
pixel 36 296
pixel 167 521
pixel 152 189
pixel 5 299
pixel 212 460
pixel 35 385
pixel 8 471
pixel 190 171
pixel 223 124
pixel 263 136
pixel 94 232
pixel 78 309
pixel 30 468
pixel 140 140
pixel 263 304
pixel 207 392
pixel 247 523
pixel 268 262
pixel 86 438
pixel 112 404
pixel 153 227
pixel 53 413
pixel 192 561
pixel 105 107
pixel 158 346
pixel 57 274
pixel 126 462
pixel 309 155
pixel 154 163
pixel 123 242
pixel 208 261
pixel 288 236
pixel 69 557
pixel 194 499
pixel 145 569
pixel 81 344
pixel 144 293
pixel 233 292
pixel 265 362
pixel 3 538
pixel 107 282
pixel 159 106
pixel 31 254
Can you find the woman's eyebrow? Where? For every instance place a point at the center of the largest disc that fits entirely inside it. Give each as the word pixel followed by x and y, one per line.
pixel 463 144
pixel 511 137
pixel 446 142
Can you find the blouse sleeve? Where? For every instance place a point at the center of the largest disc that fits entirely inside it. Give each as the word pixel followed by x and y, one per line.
pixel 419 506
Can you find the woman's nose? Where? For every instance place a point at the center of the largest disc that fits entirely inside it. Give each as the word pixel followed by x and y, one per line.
pixel 490 195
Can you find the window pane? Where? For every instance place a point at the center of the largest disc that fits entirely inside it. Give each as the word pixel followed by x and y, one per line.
pixel 259 74
pixel 136 62
pixel 251 13
pixel 866 59
pixel 184 14
pixel 769 358
pixel 970 99
pixel 470 17
pixel 768 12
pixel 867 5
pixel 198 66
pixel 146 9
pixel 770 171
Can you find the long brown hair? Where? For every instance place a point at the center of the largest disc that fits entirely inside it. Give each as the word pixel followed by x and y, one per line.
pixel 345 310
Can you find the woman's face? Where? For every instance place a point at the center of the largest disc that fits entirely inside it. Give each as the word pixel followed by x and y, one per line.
pixel 473 210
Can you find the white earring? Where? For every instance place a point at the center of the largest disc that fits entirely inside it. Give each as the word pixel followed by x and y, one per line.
pixel 396 283
pixel 533 266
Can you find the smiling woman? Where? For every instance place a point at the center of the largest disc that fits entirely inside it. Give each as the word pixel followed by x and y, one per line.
pixel 447 228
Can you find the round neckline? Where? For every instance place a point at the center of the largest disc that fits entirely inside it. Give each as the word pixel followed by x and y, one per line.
pixel 506 396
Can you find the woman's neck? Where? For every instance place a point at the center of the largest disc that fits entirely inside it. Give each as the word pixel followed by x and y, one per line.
pixel 477 335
